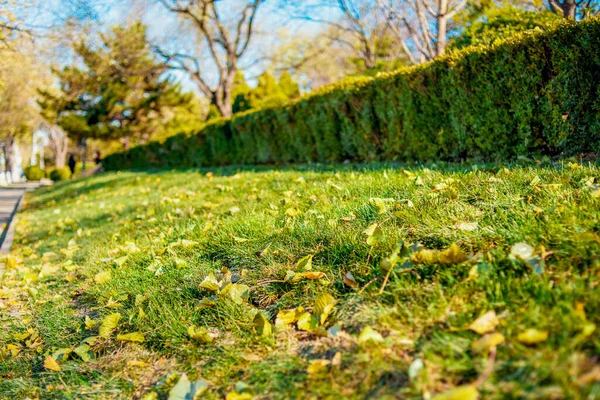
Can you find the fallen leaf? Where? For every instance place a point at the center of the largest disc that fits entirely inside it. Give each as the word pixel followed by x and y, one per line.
pixel 486 342
pixel 374 234
pixel 467 226
pixel 84 352
pixel 452 255
pixel 210 283
pixel 102 277
pixel 532 336
pixel 131 337
pixel 307 322
pixel 186 390
pixel 312 275
pixel 199 334
pixel 51 364
pixel 316 366
pixel 135 363
pixel 369 334
pixel 350 281
pixel 262 325
pixel 288 317
pixel 425 257
pixel 467 392
pixel 521 251
pixel 120 261
pixel 486 323
pixel 323 307
pixel 109 323
pixel 305 263
pixel 237 292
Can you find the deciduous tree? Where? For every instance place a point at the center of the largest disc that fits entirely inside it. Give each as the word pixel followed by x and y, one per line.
pixel 226 40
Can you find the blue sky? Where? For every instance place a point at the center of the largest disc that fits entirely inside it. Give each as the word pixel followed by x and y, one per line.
pixel 163 27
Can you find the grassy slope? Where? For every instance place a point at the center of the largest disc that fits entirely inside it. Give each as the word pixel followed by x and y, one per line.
pixel 232 218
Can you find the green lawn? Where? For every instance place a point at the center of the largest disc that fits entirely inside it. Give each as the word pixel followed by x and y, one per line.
pixel 355 282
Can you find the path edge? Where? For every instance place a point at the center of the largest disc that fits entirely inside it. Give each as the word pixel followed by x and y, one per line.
pixel 8 233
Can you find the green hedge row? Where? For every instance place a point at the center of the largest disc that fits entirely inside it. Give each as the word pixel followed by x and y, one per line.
pixel 537 93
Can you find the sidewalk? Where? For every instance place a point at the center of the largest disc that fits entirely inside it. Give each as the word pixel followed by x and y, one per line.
pixel 10 199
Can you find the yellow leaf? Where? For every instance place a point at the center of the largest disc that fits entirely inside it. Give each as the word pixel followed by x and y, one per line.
pixel 452 255
pixel 307 322
pixel 210 283
pixel 14 349
pixel 369 334
pixel 239 396
pixel 317 366
pixel 288 317
pixel 51 364
pixel 199 334
pixel 374 234
pixel 24 335
pixel 305 263
pixel 467 226
pixel 467 392
pixel 237 292
pixel 120 261
pixel 109 323
pixel 486 323
pixel 488 341
pixel 588 329
pixel 135 363
pixel 131 337
pixel 532 336
pixel 425 257
pixel 313 275
pixel 323 307
pixel 102 277
pixel 262 325
pixel 90 323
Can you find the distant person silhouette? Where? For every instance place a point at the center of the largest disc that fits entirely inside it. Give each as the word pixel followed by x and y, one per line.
pixel 97 157
pixel 71 163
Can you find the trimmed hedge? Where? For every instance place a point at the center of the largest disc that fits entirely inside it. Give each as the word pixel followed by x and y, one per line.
pixel 34 173
pixel 536 93
pixel 60 174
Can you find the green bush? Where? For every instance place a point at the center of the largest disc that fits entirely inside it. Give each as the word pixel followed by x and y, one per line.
pixel 535 93
pixel 34 173
pixel 60 174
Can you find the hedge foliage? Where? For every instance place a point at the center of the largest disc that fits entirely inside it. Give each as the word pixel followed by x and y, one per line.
pixel 60 174
pixel 535 93
pixel 34 173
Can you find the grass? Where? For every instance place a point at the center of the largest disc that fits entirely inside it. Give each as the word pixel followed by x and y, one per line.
pixel 142 244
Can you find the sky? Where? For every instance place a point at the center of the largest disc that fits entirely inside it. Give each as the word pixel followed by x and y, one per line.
pixel 163 28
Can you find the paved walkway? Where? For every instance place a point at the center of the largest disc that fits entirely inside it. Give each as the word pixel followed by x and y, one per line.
pixel 9 200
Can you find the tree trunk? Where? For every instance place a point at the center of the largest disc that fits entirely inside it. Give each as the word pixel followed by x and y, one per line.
pixel 83 154
pixel 60 151
pixel 442 27
pixel 568 8
pixel 60 157
pixel 224 107
pixel 59 143
pixel 8 157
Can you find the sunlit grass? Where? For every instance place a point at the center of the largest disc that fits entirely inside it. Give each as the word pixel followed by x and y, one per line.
pixel 160 234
